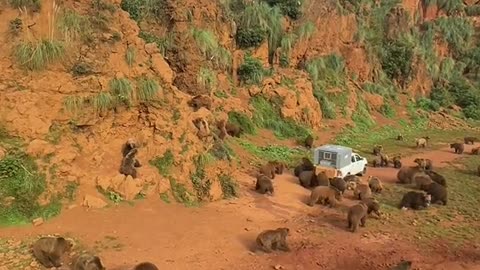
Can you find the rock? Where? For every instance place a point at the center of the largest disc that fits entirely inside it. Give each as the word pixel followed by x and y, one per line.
pixel 116 181
pixel 254 90
pixel 278 267
pixel 103 182
pixel 130 188
pixel 90 201
pixel 151 48
pixel 71 206
pixel 162 68
pixel 37 221
pixel 38 148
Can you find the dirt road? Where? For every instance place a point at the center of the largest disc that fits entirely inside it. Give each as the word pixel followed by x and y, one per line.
pixel 220 235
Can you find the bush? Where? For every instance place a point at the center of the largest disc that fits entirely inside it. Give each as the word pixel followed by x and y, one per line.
pixel 251 71
pixel 387 110
pixel 20 179
pixel 267 115
pixel 140 9
pixel 37 55
pixel 472 111
pixel 397 61
pixel 242 121
pixel 229 186
pixel 250 37
pixel 441 96
pixel 290 8
pixel 427 104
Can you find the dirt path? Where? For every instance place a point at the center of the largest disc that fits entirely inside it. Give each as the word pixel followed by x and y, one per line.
pixel 219 235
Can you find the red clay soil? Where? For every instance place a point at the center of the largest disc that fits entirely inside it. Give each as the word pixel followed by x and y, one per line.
pixel 221 235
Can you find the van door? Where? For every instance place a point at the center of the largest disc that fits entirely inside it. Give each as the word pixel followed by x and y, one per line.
pixel 356 165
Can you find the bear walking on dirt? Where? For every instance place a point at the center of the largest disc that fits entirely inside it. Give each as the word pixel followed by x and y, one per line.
pixel 270 240
pixel 357 215
pixel 459 147
pixel 49 250
pixel 324 195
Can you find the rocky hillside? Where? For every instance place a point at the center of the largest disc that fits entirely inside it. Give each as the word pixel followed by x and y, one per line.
pixel 81 77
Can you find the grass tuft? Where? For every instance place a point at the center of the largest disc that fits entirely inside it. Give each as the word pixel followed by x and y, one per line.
pixel 130 56
pixel 164 163
pixel 207 79
pixel 37 55
pixel 74 26
pixel 121 89
pixel 147 89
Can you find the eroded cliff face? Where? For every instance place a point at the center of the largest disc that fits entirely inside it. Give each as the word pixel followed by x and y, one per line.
pixel 58 109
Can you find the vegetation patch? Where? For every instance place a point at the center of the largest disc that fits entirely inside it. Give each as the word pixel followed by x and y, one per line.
pixel 243 121
pixel 229 186
pixel 147 89
pixel 38 55
pixel 164 163
pixel 290 8
pixel 34 5
pixel 274 152
pixel 201 183
pixel 165 44
pixel 181 194
pixel 21 185
pixel 267 115
pixel 74 26
pixel 251 71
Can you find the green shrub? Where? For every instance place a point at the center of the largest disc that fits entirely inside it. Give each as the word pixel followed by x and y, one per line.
pixel 441 96
pixel 305 31
pixel 267 115
pixel 229 186
pixel 242 121
pixel 251 71
pixel 472 111
pixel 427 104
pixel 397 61
pixel 199 179
pixel 290 8
pixel 15 26
pixel 37 55
pixel 449 6
pixel 164 163
pixel 387 110
pixel 250 37
pixel 140 9
pixel 20 179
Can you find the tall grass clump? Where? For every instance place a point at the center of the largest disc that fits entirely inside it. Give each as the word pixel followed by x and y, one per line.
pixel 74 26
pixel 456 31
pixel 206 41
pixel 130 56
pixel 207 79
pixel 74 104
pixel 34 5
pixel 164 44
pixel 103 102
pixel 243 121
pixel 147 89
pixel 261 19
pixel 38 55
pixel 122 90
pixel 306 30
pixel 222 58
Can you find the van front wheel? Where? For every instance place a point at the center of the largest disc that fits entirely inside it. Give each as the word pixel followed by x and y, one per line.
pixel 363 172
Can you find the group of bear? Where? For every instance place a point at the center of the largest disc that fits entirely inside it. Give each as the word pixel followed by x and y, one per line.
pixel 49 251
pixel 325 190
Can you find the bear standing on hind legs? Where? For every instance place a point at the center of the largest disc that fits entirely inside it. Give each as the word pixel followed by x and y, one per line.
pixel 129 162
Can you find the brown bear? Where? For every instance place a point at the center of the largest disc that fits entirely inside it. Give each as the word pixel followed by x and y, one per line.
pixel 459 147
pixel 324 195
